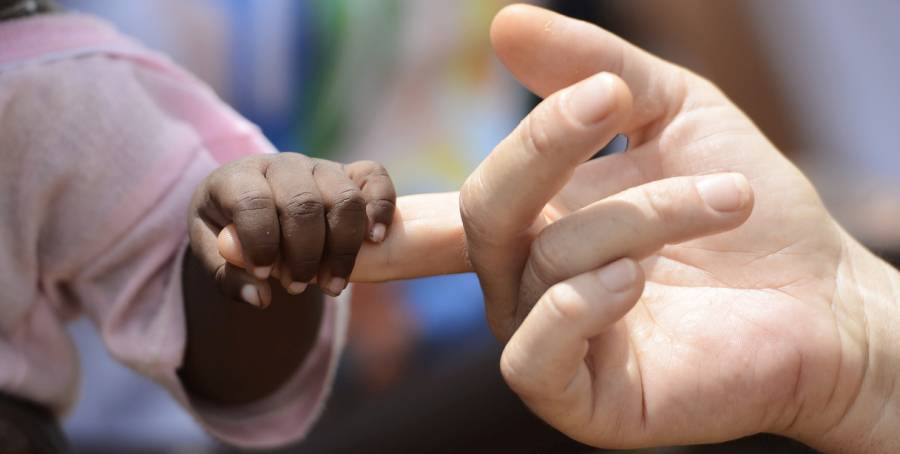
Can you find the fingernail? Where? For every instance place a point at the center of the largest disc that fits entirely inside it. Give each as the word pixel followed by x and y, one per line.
pixel 250 294
pixel 592 100
pixel 727 192
pixel 617 276
pixel 296 288
pixel 336 286
pixel 284 277
pixel 377 233
pixel 265 296
pixel 262 272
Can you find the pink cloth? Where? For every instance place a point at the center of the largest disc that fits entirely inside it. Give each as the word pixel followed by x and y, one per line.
pixel 102 143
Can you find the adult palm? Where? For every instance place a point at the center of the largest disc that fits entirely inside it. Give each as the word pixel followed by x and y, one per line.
pixel 755 329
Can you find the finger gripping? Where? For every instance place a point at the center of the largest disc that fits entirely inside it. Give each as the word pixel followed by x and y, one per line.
pixel 350 201
pixel 303 207
pixel 253 201
pixel 381 211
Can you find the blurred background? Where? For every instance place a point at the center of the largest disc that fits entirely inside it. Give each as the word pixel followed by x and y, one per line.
pixel 414 85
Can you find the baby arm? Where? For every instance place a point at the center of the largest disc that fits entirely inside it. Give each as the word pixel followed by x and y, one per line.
pixel 315 236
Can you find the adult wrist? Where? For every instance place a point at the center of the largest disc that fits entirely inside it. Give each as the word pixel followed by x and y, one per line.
pixel 868 421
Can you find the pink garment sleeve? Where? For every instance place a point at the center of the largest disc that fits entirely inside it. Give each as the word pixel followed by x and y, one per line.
pixel 100 156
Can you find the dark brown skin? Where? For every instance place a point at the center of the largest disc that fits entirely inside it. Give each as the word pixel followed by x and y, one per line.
pixel 14 9
pixel 28 428
pixel 236 353
pixel 307 217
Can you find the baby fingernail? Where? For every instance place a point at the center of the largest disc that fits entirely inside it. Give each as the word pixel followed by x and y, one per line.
pixel 336 286
pixel 726 192
pixel 296 288
pixel 618 275
pixel 377 233
pixel 250 295
pixel 262 272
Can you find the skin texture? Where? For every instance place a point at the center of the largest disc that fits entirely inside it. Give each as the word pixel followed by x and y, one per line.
pixel 236 353
pixel 305 217
pixel 230 341
pixel 781 324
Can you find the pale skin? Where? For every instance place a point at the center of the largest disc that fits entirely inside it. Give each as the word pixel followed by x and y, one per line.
pixel 782 324
pixel 693 289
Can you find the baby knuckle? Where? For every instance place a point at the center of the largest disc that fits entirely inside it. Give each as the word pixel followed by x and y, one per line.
pixel 226 172
pixel 254 201
pixel 382 205
pixel 303 207
pixel 290 159
pixel 350 200
pixel 374 168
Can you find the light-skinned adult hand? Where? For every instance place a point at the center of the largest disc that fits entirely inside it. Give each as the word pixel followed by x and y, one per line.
pixel 783 323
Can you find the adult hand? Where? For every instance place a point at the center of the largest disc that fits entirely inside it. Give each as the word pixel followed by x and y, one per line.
pixel 782 324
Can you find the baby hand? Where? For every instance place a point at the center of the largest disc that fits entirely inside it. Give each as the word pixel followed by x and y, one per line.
pixel 297 218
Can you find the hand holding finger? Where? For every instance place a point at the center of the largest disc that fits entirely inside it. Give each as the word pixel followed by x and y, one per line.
pixel 234 282
pixel 345 221
pixel 426 239
pixel 502 200
pixel 243 196
pixel 378 191
pixel 301 216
